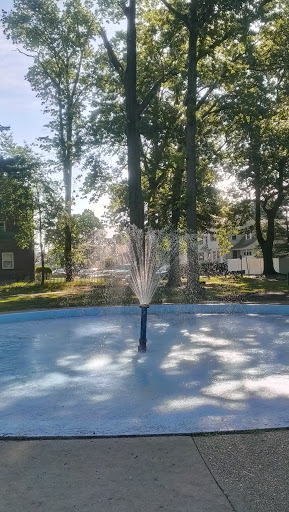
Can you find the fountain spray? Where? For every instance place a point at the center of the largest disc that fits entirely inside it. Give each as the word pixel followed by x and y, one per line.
pixel 147 253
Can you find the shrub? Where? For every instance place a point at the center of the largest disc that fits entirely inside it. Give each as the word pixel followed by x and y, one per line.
pixel 214 268
pixel 108 264
pixel 47 271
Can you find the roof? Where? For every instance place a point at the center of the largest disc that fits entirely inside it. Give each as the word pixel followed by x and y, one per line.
pixel 243 243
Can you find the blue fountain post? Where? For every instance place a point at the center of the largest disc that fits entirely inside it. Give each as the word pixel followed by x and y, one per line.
pixel 143 329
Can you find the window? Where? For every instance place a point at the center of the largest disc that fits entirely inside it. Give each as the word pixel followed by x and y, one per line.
pixel 234 237
pixel 2 225
pixel 248 236
pixel 213 238
pixel 235 255
pixel 7 260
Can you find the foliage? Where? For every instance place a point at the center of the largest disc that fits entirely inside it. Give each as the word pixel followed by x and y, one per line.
pixel 258 143
pixel 59 40
pixel 17 165
pixel 211 269
pixel 86 230
pixel 212 99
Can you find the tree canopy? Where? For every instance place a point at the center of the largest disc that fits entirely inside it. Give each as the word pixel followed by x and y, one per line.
pixel 154 102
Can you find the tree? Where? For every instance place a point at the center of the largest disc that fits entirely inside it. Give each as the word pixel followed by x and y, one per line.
pixel 161 127
pixel 209 26
pixel 258 145
pixel 17 165
pixel 58 39
pixel 134 105
pixel 29 199
pixel 47 207
pixel 85 229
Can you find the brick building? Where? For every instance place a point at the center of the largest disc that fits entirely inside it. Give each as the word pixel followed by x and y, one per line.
pixel 15 264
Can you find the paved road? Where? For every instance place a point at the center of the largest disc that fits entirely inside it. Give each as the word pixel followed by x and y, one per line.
pixel 224 473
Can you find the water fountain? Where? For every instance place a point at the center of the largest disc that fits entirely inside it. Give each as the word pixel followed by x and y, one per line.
pixel 149 254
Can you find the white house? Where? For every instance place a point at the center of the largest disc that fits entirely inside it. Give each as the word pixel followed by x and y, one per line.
pixel 243 246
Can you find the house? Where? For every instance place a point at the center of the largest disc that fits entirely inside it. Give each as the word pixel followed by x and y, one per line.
pixel 208 249
pixel 16 264
pixel 243 246
pixel 242 255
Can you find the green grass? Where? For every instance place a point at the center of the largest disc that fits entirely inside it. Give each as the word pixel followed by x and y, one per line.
pixel 239 286
pixel 83 293
pixel 49 286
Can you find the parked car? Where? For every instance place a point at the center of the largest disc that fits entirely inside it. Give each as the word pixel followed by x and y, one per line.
pixel 162 271
pixel 88 272
pixel 58 272
pixel 121 271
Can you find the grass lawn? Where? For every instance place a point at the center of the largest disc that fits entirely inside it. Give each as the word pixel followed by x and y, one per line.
pixel 241 287
pixel 83 293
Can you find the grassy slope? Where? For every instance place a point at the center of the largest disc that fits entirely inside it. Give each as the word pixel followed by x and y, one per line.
pixel 26 296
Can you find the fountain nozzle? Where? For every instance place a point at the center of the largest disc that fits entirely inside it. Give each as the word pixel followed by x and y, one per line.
pixel 143 328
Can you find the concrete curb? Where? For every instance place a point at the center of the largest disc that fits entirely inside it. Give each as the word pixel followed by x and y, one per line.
pixel 231 308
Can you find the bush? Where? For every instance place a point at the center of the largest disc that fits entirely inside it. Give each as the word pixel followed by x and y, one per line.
pixel 108 264
pixel 214 269
pixel 47 271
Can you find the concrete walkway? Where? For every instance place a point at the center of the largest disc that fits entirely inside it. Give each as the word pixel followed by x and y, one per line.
pixel 224 473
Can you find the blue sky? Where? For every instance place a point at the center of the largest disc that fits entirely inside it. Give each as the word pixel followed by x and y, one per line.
pixel 20 108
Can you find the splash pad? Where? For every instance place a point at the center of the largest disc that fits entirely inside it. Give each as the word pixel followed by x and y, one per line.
pixel 210 367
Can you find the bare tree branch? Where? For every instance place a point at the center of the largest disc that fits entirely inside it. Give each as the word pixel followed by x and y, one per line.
pixel 149 96
pixel 216 43
pixel 181 16
pixel 77 76
pixel 213 110
pixel 206 95
pixel 124 7
pixel 112 55
pixel 277 195
pixel 23 53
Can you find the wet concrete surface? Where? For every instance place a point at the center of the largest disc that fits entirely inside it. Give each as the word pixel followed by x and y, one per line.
pixel 202 373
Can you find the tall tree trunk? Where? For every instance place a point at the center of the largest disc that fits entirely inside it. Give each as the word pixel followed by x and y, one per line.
pixel 66 147
pixel 41 241
pixel 191 150
pixel 68 193
pixel 266 245
pixel 41 250
pixel 267 249
pixel 67 227
pixel 136 204
pixel 174 279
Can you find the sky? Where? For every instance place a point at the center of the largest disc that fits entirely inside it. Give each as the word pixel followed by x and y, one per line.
pixel 21 109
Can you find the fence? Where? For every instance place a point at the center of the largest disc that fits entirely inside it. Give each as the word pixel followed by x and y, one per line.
pixel 255 266
pixel 97 278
